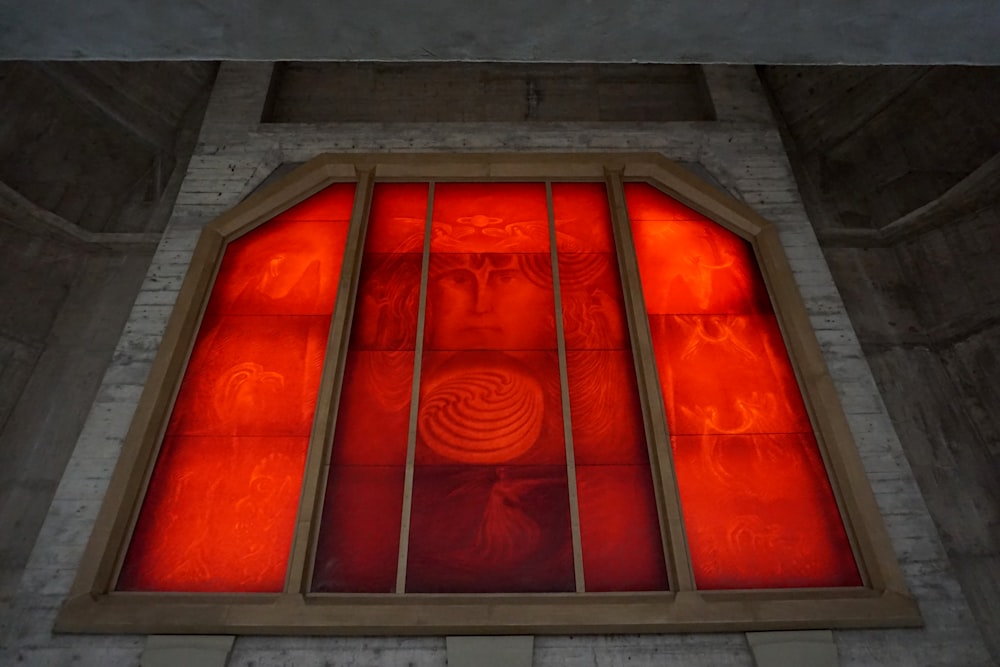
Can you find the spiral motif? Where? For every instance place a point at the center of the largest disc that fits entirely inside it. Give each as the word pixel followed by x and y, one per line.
pixel 483 415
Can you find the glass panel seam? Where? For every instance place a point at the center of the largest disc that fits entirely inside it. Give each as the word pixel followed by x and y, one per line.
pixel 574 501
pixel 680 573
pixel 411 438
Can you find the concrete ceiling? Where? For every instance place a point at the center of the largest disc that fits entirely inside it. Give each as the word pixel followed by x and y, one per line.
pixel 664 31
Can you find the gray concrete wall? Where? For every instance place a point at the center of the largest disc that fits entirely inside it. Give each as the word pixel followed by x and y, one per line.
pixel 901 168
pixel 742 151
pixel 682 31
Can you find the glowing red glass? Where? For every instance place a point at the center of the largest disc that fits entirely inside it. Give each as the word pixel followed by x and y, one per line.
pixel 757 503
pixel 490 529
pixel 619 529
pixel 358 544
pixel 760 513
pixel 220 510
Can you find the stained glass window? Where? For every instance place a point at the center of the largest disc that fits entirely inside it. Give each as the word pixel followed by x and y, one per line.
pixel 401 395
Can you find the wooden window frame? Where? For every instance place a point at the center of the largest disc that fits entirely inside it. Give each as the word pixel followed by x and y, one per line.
pixel 94 605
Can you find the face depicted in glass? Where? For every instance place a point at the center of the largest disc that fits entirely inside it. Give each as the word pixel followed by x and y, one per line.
pixel 489 301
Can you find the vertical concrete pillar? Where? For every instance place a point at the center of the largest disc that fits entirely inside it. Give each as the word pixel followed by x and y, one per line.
pixel 737 94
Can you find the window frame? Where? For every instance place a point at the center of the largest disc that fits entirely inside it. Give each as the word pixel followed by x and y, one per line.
pixel 94 605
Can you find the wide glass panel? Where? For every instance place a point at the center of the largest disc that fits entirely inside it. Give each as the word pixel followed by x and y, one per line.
pixel 220 509
pixel 758 507
pixel 358 545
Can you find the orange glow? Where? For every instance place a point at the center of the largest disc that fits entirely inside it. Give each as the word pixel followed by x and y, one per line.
pixel 726 374
pixel 218 516
pixel 757 503
pixel 583 218
pixel 252 375
pixel 490 218
pixel 221 505
pixel 619 529
pixel 760 513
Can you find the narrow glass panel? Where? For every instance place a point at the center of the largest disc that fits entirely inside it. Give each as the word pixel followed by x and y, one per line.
pixel 359 542
pixel 604 404
pixel 758 508
pixel 622 549
pixel 358 546
pixel 619 526
pixel 220 510
pixel 490 529
pixel 760 513
pixel 490 497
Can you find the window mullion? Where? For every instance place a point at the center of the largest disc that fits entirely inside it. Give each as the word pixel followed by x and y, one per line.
pixel 411 438
pixel 300 562
pixel 657 432
pixel 574 501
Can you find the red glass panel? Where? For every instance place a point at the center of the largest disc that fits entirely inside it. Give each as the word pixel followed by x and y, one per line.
pixel 619 529
pixel 593 312
pixel 583 218
pixel 500 529
pixel 374 416
pixel 490 408
pixel 220 509
pixel 385 315
pixel 490 302
pixel 490 218
pixel 605 409
pixel 289 267
pixel 688 263
pixel 397 219
pixel 757 503
pixel 358 546
pixel 760 513
pixel 252 375
pixel 726 374
pixel 218 516
pixel 332 203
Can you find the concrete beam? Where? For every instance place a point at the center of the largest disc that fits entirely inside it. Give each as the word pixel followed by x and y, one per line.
pixel 682 31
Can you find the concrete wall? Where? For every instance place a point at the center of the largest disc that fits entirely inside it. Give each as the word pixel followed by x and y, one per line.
pixel 901 168
pixel 742 151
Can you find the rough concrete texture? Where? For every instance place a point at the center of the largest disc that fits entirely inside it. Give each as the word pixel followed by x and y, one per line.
pixel 742 152
pixel 901 169
pixel 683 31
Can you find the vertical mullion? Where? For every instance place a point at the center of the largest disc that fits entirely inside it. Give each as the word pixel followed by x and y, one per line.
pixel 300 562
pixel 574 501
pixel 657 431
pixel 411 437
